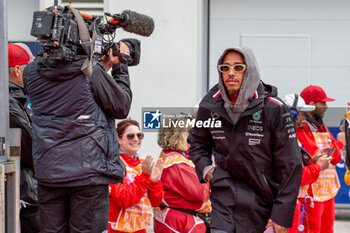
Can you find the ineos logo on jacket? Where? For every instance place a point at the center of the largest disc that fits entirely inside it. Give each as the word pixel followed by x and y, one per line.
pixel 258 128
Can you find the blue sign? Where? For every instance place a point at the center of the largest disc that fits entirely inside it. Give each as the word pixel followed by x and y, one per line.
pixel 35 47
pixel 343 195
pixel 152 119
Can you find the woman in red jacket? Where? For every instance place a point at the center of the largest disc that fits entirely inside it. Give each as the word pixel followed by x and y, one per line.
pixel 131 202
pixel 182 189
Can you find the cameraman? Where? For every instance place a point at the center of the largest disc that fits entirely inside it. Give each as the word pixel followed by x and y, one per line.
pixel 75 148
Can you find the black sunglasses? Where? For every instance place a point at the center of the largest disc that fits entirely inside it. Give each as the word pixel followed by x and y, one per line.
pixel 131 136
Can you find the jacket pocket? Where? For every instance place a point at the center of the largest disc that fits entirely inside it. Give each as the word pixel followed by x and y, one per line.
pixel 268 195
pixel 94 151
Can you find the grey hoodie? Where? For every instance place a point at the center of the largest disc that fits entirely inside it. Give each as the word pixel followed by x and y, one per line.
pixel 250 83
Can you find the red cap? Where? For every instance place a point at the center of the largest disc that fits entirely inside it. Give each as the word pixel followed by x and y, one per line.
pixel 17 55
pixel 315 94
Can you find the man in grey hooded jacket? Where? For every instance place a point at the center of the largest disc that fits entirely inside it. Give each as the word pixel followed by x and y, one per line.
pixel 255 180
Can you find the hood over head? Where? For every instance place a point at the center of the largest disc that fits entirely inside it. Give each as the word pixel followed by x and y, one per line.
pixel 59 70
pixel 250 83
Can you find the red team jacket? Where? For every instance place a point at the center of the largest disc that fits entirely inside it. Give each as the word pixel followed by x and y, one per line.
pixel 181 190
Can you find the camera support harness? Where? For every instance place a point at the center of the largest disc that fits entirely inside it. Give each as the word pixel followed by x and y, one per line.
pixel 86 42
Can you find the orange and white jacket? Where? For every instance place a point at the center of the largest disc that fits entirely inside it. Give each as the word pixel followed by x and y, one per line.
pixel 131 202
pixel 182 189
pixel 313 137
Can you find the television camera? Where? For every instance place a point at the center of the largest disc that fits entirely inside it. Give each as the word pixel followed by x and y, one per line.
pixel 57 29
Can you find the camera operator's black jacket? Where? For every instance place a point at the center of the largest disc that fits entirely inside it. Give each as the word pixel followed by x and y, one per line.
pixel 74 138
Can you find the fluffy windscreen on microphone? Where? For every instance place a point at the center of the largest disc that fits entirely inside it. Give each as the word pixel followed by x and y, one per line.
pixel 138 23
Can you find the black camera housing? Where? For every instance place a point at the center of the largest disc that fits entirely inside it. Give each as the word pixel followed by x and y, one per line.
pixel 135 50
pixel 42 25
pixel 58 34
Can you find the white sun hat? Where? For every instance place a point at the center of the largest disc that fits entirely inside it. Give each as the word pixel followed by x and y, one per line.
pixel 297 102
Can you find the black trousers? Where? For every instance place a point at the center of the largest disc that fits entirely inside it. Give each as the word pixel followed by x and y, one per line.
pixel 29 218
pixel 73 209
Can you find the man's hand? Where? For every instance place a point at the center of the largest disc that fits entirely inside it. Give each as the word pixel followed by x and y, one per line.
pixel 147 165
pixel 278 228
pixel 157 171
pixel 112 60
pixel 123 49
pixel 209 174
pixel 324 161
pixel 318 154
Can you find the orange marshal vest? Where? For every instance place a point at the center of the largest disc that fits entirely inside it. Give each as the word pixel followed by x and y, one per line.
pixel 327 184
pixel 138 216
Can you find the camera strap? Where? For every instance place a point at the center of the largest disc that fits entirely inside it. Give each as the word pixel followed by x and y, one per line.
pixel 86 68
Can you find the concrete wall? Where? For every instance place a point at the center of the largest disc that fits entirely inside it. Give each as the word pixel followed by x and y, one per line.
pixel 296 43
pixel 308 41
pixel 173 68
pixel 172 71
pixel 19 19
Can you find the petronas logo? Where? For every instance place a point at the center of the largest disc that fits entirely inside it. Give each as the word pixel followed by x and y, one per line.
pixel 257 116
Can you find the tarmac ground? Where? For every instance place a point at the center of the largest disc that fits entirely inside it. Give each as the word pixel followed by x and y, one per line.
pixel 342 221
pixel 341 224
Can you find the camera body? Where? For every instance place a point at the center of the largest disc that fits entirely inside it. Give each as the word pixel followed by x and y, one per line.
pixel 58 33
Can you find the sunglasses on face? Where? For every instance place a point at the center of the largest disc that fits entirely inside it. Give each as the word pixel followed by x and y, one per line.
pixel 225 68
pixel 131 136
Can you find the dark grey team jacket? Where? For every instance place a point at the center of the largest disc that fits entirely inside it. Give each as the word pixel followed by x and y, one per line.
pixel 260 150
pixel 74 137
pixel 255 150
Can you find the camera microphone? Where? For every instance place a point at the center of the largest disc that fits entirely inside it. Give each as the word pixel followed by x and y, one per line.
pixel 137 23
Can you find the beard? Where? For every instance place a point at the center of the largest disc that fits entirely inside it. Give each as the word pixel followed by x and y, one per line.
pixel 318 113
pixel 232 92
